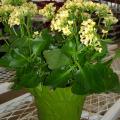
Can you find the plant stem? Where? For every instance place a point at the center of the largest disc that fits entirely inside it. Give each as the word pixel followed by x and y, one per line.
pixel 14 31
pixel 6 42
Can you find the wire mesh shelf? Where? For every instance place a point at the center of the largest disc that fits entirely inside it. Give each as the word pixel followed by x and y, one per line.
pixel 23 107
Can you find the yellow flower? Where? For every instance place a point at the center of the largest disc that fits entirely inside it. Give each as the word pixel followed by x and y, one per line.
pixel 19 12
pixel 30 8
pixel 48 11
pixel 88 35
pixel 66 31
pixel 64 14
pixel 104 31
pixel 14 18
pixel 13 21
pixel 70 22
pixel 12 1
pixel 6 9
pixel 36 34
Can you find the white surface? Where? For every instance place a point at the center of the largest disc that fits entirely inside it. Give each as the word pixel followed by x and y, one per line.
pixel 113 113
pixel 5 87
pixel 5 108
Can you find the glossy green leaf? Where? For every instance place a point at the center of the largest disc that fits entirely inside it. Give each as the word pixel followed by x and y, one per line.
pixel 55 58
pixel 4 48
pixel 95 78
pixel 17 59
pixel 42 42
pixel 58 78
pixel 27 78
pixel 69 48
pixel 4 62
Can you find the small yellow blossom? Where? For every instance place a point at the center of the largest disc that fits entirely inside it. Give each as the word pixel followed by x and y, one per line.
pixel 30 7
pixel 48 11
pixel 88 35
pixel 12 1
pixel 4 9
pixel 14 18
pixel 66 31
pixel 19 12
pixel 70 22
pixel 64 14
pixel 104 31
pixel 109 20
pixel 36 34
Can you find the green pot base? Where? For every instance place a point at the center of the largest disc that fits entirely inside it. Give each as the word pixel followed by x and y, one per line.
pixel 59 104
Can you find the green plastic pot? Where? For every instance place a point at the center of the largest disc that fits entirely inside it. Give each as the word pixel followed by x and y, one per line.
pixel 58 104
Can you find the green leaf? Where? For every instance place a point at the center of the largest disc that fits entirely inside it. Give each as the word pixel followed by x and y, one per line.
pixel 27 78
pixel 55 58
pixel 4 48
pixel 19 42
pixel 69 48
pixel 4 62
pixel 95 78
pixel 17 59
pixel 42 42
pixel 58 78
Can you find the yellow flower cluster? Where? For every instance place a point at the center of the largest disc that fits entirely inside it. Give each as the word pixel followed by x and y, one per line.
pixel 88 35
pixel 12 1
pixel 102 10
pixel 30 8
pixel 36 34
pixel 14 18
pixel 75 12
pixel 48 11
pixel 109 20
pixel 73 4
pixel 19 12
pixel 62 23
pixel 4 9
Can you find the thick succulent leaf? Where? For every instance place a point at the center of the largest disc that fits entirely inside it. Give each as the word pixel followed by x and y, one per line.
pixel 55 58
pixel 58 78
pixel 69 48
pixel 95 78
pixel 13 59
pixel 4 48
pixel 20 42
pixel 4 62
pixel 17 59
pixel 27 78
pixel 40 43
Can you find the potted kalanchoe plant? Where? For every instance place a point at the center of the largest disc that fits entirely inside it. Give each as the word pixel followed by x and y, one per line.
pixel 64 62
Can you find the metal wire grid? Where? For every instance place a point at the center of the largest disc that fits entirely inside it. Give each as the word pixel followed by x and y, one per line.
pixel 100 103
pixel 6 75
pixel 24 108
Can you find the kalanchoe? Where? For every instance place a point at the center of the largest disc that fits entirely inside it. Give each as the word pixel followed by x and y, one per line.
pixel 88 35
pixel 68 53
pixel 36 34
pixel 14 18
pixel 5 11
pixel 74 13
pixel 13 2
pixel 48 11
pixel 19 12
